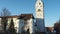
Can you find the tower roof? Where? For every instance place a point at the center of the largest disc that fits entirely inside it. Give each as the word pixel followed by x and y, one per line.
pixel 38 0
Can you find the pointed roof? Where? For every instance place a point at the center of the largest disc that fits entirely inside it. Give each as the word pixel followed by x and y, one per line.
pixel 39 0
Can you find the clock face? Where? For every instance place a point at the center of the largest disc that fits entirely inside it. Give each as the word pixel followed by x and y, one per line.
pixel 40 15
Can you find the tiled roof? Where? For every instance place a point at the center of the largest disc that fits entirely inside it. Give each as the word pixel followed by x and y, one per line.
pixel 9 17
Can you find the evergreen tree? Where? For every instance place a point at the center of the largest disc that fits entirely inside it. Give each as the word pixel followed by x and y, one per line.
pixel 11 27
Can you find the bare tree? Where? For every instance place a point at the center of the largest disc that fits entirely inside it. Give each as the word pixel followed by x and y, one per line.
pixel 5 12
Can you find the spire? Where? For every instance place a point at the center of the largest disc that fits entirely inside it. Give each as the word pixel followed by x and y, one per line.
pixel 38 0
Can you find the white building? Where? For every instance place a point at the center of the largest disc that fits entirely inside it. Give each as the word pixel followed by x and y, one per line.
pixel 15 21
pixel 40 16
pixel 27 23
pixel 21 22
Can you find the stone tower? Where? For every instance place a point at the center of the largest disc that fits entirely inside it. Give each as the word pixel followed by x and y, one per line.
pixel 40 16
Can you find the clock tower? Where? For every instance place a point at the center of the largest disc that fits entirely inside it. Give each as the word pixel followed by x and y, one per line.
pixel 40 16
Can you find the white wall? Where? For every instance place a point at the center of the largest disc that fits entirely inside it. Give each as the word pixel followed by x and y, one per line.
pixel 8 23
pixel 0 25
pixel 19 24
pixel 31 25
pixel 23 26
pixel 28 24
pixel 16 24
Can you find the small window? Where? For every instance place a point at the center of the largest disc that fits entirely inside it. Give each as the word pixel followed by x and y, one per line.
pixel 39 10
pixel 39 3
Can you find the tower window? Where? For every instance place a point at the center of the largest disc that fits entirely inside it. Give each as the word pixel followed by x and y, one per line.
pixel 39 3
pixel 39 10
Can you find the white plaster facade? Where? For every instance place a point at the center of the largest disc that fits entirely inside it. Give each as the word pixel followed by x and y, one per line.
pixel 26 24
pixel 39 9
pixel 16 24
pixel 21 24
pixel 29 26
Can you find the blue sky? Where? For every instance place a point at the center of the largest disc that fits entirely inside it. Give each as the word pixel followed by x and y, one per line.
pixel 16 7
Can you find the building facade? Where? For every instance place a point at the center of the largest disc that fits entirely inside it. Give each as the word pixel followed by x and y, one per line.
pixel 23 22
pixel 27 23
